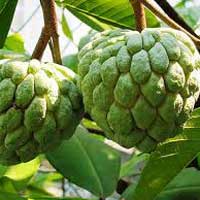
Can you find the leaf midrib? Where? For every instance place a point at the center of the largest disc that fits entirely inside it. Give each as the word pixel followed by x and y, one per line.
pixel 91 164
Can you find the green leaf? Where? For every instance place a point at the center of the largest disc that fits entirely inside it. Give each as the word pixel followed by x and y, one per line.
pixel 23 171
pixel 116 13
pixel 3 4
pixel 7 185
pixel 90 21
pixel 15 42
pixel 10 196
pixel 41 180
pixel 168 160
pixel 71 61
pixel 66 28
pixel 185 186
pixel 6 16
pixel 3 170
pixel 90 125
pixel 87 162
pixel 133 166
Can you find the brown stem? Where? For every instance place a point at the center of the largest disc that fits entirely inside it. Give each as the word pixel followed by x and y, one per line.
pixel 50 30
pixel 56 48
pixel 41 44
pixel 139 13
pixel 52 49
pixel 168 20
pixel 63 187
pixel 171 12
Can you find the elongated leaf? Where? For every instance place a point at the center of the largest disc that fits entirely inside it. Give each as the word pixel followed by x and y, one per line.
pixel 90 21
pixel 66 28
pixel 6 16
pixel 3 4
pixel 116 13
pixel 185 186
pixel 87 162
pixel 23 171
pixel 168 160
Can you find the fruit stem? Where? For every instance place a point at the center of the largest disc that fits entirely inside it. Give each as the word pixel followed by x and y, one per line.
pixel 170 22
pixel 49 31
pixel 139 14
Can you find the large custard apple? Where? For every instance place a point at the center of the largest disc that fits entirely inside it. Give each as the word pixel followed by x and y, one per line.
pixel 140 88
pixel 40 106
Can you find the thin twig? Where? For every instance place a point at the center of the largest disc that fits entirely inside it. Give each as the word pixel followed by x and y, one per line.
pixel 63 187
pixel 56 48
pixel 139 14
pixel 171 12
pixel 41 44
pixel 51 49
pixel 50 30
pixel 54 34
pixel 168 20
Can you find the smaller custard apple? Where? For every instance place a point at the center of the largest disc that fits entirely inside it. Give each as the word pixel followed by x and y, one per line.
pixel 40 106
pixel 140 88
pixel 7 54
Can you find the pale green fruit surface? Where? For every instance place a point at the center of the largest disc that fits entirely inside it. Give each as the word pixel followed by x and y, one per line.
pixel 139 87
pixel 40 106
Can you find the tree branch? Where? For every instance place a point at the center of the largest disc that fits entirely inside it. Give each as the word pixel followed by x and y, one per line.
pixel 139 14
pixel 168 20
pixel 51 48
pixel 41 44
pixel 171 12
pixel 50 30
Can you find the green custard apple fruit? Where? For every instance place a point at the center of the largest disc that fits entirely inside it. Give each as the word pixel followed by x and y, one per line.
pixel 40 106
pixel 86 39
pixel 140 88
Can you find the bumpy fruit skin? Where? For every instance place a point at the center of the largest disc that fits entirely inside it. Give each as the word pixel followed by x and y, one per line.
pixel 40 106
pixel 140 88
pixel 7 54
pixel 86 39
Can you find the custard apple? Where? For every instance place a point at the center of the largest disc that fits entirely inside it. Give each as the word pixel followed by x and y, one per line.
pixel 86 39
pixel 40 106
pixel 10 55
pixel 140 88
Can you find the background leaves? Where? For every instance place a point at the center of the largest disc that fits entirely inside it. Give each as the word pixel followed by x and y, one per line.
pixel 87 162
pixel 6 15
pixel 168 160
pixel 116 13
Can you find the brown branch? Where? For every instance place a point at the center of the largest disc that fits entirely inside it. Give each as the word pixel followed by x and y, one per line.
pixel 51 49
pixel 139 14
pixel 41 44
pixel 50 30
pixel 171 12
pixel 168 20
pixel 56 48
pixel 63 187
